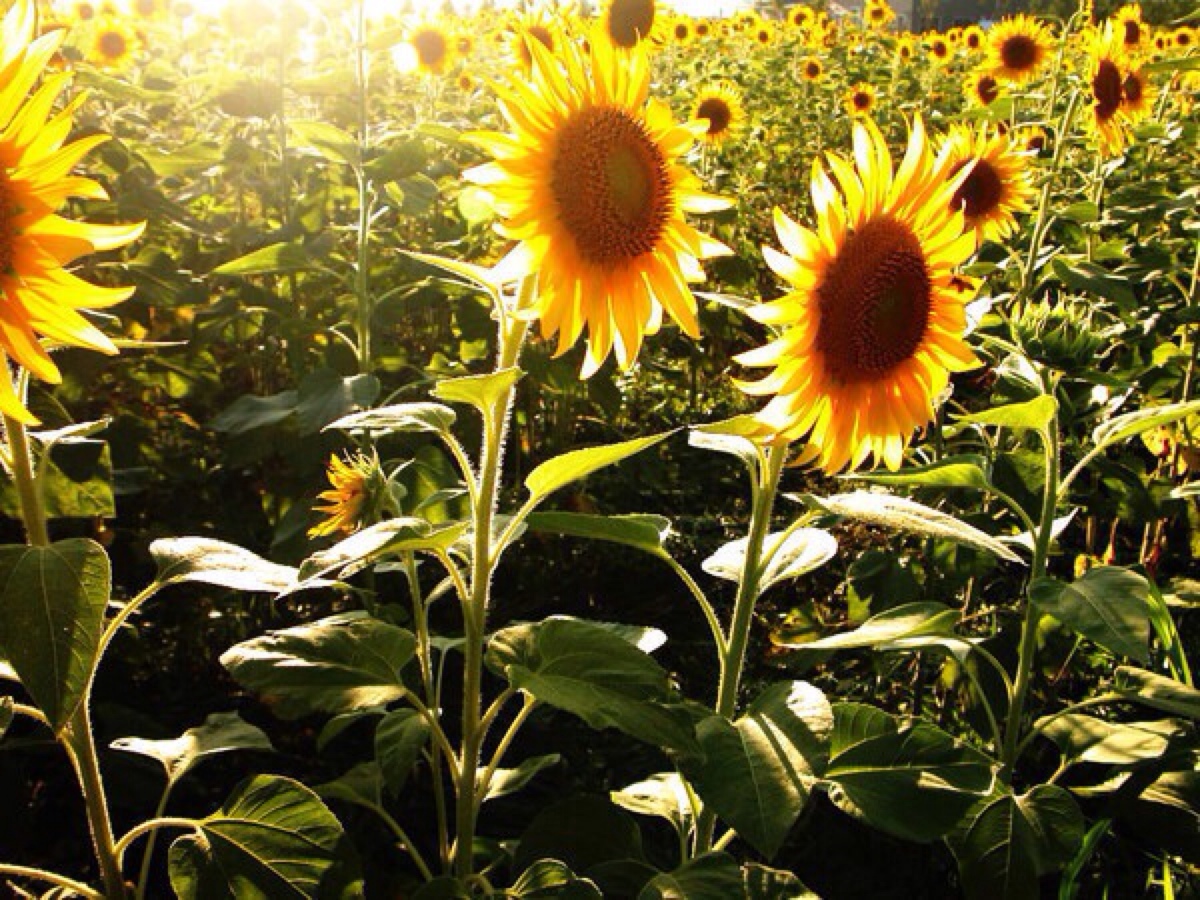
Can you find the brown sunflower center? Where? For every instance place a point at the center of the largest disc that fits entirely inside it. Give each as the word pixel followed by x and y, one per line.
pixel 629 21
pixel 874 301
pixel 1133 32
pixel 431 48
pixel 1107 89
pixel 111 45
pixel 987 89
pixel 1019 53
pixel 718 113
pixel 980 193
pixel 9 211
pixel 611 185
pixel 1132 88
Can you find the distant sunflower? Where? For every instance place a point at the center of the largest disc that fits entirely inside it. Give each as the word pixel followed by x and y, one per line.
pixel 1134 33
pixel 874 321
pixel 811 69
pixel 999 184
pixel 859 100
pixel 591 185
pixel 982 88
pixel 1107 70
pixel 720 105
pixel 41 298
pixel 627 23
pixel 352 482
pixel 432 47
pixel 1018 47
pixel 113 44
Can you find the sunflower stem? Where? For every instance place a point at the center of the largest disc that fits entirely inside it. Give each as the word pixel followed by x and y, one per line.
pixel 513 330
pixel 764 489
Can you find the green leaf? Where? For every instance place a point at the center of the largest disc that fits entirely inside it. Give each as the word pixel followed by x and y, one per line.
pixel 663 795
pixel 788 554
pixel 1108 605
pixel 1008 842
pixel 52 604
pixel 1082 738
pixel 344 662
pixel 1035 414
pixel 914 783
pixel 562 470
pixel 269 260
pixel 762 883
pixel 902 514
pixel 220 733
pixel 757 773
pixel 590 671
pixel 207 561
pixel 643 531
pixel 966 471
pixel 399 739
pixel 549 879
pixel 404 417
pixel 329 141
pixel 1158 692
pixel 713 876
pixel 273 839
pixel 1123 427
pixel 480 391
pixel 909 620
pixel 581 831
pixel 509 781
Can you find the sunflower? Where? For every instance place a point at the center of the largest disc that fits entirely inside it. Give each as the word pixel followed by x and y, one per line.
pixel 874 320
pixel 354 482
pixel 982 88
pixel 42 299
pixel 1135 34
pixel 1018 46
pixel 811 69
pixel 998 186
pixel 591 185
pixel 859 99
pixel 627 23
pixel 431 46
pixel 1107 71
pixel 113 44
pixel 720 105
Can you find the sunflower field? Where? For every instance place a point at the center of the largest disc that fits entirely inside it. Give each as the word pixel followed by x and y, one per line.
pixel 567 450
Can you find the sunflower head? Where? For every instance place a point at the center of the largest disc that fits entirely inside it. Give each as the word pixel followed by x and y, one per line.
pixel 357 486
pixel 628 23
pixel 873 323
pixel 592 185
pixel 998 184
pixel 1018 47
pixel 720 105
pixel 42 299
pixel 859 100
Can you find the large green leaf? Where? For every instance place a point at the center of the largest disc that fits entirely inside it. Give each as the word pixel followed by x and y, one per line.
pixel 562 470
pixel 344 662
pixel 593 672
pixel 399 739
pixel 432 418
pixel 209 561
pixel 52 603
pixel 915 783
pixel 273 839
pixel 789 554
pixel 967 471
pixel 1108 605
pixel 1007 842
pixel 1158 692
pixel 1083 738
pixel 902 514
pixel 757 773
pixel 909 620
pixel 713 876
pixel 643 531
pixel 220 733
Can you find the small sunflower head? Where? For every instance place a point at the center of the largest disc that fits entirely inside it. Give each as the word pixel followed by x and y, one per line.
pixel 354 498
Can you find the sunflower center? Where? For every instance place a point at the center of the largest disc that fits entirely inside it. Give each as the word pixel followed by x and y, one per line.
pixel 9 211
pixel 717 112
pixel 629 21
pixel 981 192
pixel 988 89
pixel 111 45
pixel 1019 53
pixel 874 302
pixel 1106 88
pixel 1133 89
pixel 611 185
pixel 430 47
